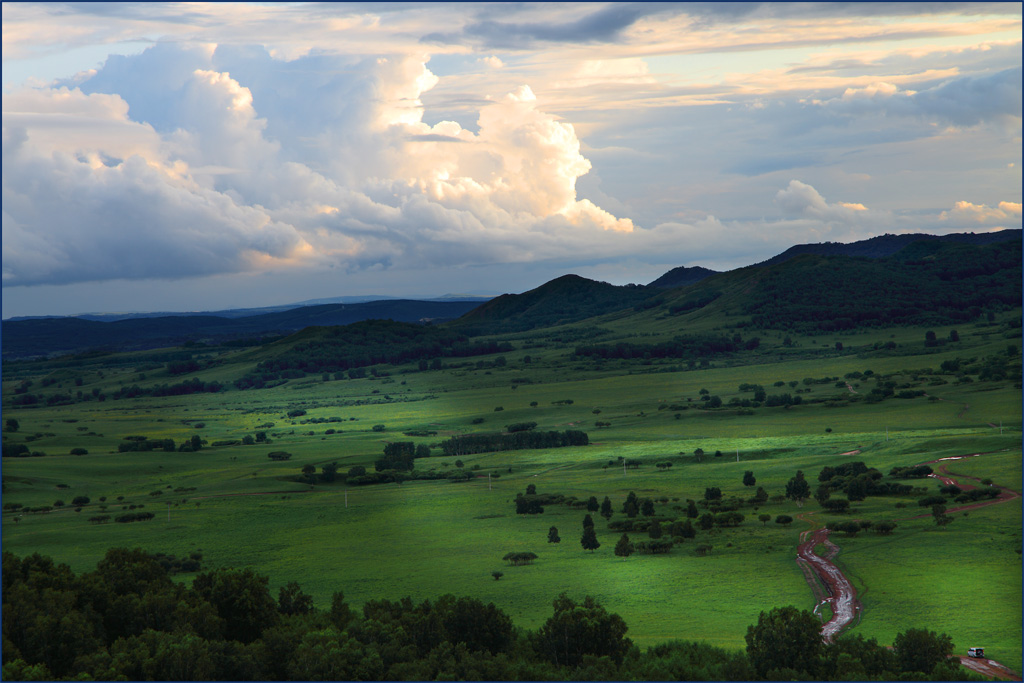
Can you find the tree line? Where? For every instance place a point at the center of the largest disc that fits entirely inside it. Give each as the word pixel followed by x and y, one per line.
pixel 360 345
pixel 467 444
pixel 129 620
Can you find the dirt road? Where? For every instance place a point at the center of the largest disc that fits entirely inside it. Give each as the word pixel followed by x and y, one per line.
pixel 840 593
pixel 842 597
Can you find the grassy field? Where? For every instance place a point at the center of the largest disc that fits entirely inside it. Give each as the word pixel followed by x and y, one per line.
pixel 426 538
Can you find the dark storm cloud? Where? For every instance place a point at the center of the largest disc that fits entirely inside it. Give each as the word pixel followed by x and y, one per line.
pixel 603 25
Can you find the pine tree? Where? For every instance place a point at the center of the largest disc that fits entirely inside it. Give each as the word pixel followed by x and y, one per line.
pixel 588 521
pixel 623 548
pixel 589 540
pixel 749 479
pixel 647 508
pixel 592 504
pixel 553 535
pixel 606 508
pixel 655 529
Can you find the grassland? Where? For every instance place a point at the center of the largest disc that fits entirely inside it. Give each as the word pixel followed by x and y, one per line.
pixel 427 538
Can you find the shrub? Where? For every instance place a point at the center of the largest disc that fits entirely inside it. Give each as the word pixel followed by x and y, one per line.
pixel 79 451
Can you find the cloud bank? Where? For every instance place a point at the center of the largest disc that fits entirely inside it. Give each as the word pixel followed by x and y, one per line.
pixel 331 142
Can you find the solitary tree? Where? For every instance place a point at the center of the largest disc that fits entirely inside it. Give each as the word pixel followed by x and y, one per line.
pixel 11 424
pixel 592 504
pixel 531 489
pixel 785 638
pixel 553 535
pixel 606 508
pixel 765 518
pixel 884 527
pixel 784 520
pixel 589 539
pixel 921 650
pixel 760 495
pixel 497 575
pixel 940 516
pixel 712 493
pixel 291 600
pixel 797 488
pixel 822 494
pixel 588 521
pixel 623 548
pixel 576 630
pixel 749 479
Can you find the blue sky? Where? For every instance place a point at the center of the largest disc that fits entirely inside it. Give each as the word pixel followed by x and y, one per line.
pixel 192 156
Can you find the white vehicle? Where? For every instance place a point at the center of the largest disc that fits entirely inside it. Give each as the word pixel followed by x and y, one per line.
pixel 976 652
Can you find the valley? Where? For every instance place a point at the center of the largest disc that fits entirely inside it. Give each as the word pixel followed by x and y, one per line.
pixel 678 404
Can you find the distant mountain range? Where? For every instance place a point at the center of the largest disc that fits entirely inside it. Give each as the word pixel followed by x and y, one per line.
pixel 888 279
pixel 47 336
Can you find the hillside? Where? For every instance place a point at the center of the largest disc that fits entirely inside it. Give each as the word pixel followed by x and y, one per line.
pixel 888 245
pixel 682 276
pixel 564 300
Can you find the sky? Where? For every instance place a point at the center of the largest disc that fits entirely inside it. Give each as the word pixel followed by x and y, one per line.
pixel 205 156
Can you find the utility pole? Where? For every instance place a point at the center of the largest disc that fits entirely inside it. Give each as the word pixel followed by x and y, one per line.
pixel 168 512
pixel 346 498
pixel 737 455
pixel 623 467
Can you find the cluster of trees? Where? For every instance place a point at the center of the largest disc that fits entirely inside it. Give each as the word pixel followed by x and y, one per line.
pixel 189 386
pixel 694 347
pixel 399 455
pixel 467 444
pixel 129 620
pixel 857 481
pixel 520 558
pixel 145 444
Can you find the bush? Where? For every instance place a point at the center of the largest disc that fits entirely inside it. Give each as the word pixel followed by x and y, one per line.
pixel 79 451
pixel 378 428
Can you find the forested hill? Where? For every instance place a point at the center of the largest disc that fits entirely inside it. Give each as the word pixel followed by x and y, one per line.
pixel 563 300
pixel 37 337
pixel 928 282
pixel 888 245
pixel 682 276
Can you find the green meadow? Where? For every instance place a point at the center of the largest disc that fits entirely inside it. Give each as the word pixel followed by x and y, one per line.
pixel 425 538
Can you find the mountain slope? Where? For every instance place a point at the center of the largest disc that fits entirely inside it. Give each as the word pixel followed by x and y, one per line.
pixel 682 276
pixel 560 301
pixel 929 282
pixel 888 245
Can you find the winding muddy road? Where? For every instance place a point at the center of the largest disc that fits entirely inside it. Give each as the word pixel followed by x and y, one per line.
pixel 829 585
pixel 839 592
